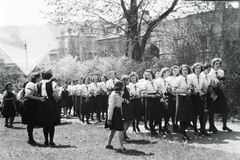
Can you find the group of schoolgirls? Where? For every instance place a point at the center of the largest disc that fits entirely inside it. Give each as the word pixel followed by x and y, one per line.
pixel 183 94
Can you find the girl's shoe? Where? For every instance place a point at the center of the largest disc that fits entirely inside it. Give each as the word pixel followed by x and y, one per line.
pixel 52 144
pixel 123 150
pixel 226 128
pixel 109 147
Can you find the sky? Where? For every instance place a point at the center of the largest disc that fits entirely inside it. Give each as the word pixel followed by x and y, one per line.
pixel 21 12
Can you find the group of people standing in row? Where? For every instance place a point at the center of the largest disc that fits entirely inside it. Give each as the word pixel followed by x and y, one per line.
pixel 182 93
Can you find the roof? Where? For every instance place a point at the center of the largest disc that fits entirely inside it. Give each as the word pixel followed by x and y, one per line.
pixel 40 39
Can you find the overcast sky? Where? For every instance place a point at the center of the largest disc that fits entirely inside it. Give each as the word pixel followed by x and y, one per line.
pixel 21 12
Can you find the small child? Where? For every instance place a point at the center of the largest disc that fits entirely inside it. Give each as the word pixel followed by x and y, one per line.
pixel 64 99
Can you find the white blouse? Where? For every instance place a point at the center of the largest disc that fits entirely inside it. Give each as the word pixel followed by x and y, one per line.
pixel 94 87
pixel 151 87
pixel 208 78
pixel 134 89
pixel 110 83
pixel 114 100
pixel 171 80
pixel 85 90
pixel 163 84
pixel 182 83
pixel 70 90
pixel 43 88
pixel 30 88
pixel 199 82
pixel 216 73
pixel 103 86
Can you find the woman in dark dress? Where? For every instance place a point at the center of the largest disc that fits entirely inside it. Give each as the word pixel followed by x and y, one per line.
pixel 115 118
pixel 128 115
pixel 49 113
pixel 184 111
pixel 30 102
pixel 9 109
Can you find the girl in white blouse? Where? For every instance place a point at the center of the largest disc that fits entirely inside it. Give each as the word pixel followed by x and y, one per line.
pixel 30 104
pixel 103 95
pixel 199 83
pixel 221 101
pixel 115 118
pixel 96 99
pixel 135 100
pixel 174 71
pixel 85 107
pixel 184 111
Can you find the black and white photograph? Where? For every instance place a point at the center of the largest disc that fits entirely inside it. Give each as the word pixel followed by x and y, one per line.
pixel 119 80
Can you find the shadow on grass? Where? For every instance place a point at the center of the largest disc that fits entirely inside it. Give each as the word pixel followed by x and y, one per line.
pixel 19 128
pixel 64 123
pixel 57 146
pixel 134 152
pixel 140 141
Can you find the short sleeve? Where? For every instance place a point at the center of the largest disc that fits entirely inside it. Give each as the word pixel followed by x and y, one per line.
pixel 29 89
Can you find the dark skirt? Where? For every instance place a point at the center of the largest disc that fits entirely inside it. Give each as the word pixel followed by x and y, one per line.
pixel 29 111
pixel 172 105
pixel 48 113
pixel 117 121
pixel 198 105
pixel 145 108
pixel 85 107
pixel 155 108
pixel 104 101
pixel 220 105
pixel 70 102
pixel 127 112
pixel 77 102
pixel 96 102
pixel 184 111
pixel 9 109
pixel 137 108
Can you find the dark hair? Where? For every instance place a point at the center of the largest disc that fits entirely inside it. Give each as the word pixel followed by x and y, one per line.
pixel 125 78
pixel 215 60
pixel 151 72
pixel 95 77
pixel 8 84
pixel 206 66
pixel 195 65
pixel 47 74
pixel 182 66
pixel 171 70
pixel 113 72
pixel 118 86
pixel 34 77
pixel 163 71
pixel 84 79
pixel 132 75
pixel 105 77
pixel 157 70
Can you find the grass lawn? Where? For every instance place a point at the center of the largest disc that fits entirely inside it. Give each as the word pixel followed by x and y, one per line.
pixel 80 141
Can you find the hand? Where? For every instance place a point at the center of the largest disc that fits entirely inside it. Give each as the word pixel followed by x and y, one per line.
pixel 154 96
pixel 109 122
pixel 42 99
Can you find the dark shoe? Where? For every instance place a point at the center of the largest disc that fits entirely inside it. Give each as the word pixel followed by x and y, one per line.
pixel 227 129
pixel 213 130
pixel 176 129
pixel 186 138
pixel 99 120
pixel 162 133
pixel 138 129
pixel 204 132
pixel 10 126
pixel 167 130
pixel 31 142
pixel 46 143
pixel 109 147
pixel 123 150
pixel 147 128
pixel 196 133
pixel 154 133
pixel 6 125
pixel 52 144
pixel 88 122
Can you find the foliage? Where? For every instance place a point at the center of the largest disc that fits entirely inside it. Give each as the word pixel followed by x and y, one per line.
pixel 130 18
